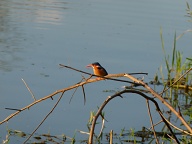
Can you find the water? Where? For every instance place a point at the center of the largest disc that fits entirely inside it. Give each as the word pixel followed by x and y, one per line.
pixel 124 36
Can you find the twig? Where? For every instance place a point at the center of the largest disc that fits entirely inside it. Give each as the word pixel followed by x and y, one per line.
pixel 29 89
pixel 176 81
pixel 171 137
pixel 102 127
pixel 74 91
pixel 84 94
pixel 175 127
pixel 151 120
pixel 82 86
pixel 83 132
pixel 189 30
pixel 45 118
pixel 157 123
pixel 13 109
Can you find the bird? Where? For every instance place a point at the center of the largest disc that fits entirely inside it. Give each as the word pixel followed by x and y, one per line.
pixel 98 69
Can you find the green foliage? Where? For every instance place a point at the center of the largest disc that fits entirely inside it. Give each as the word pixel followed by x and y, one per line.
pixel 132 134
pixel 176 67
pixel 92 114
pixel 188 112
pixel 189 12
pixel 122 131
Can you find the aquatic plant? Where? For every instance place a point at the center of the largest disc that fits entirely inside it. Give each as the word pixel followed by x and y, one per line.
pixel 176 67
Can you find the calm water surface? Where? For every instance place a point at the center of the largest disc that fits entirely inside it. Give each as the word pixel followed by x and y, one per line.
pixel 124 36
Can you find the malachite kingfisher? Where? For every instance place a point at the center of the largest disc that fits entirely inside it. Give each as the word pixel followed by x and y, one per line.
pixel 98 69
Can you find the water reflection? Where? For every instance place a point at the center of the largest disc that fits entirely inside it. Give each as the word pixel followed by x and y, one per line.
pixel 40 11
pixel 8 38
pixel 48 16
pixel 19 17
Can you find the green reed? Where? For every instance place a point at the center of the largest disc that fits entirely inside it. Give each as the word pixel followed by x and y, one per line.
pixel 176 67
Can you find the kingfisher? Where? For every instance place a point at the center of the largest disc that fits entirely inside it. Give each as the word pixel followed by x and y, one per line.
pixel 98 69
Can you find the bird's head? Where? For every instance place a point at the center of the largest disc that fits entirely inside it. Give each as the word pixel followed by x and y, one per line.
pixel 93 65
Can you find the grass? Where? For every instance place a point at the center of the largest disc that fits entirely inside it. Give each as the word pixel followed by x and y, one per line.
pixel 189 12
pixel 176 67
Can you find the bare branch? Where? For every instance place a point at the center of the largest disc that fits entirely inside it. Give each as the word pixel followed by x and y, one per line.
pixel 102 127
pixel 45 117
pixel 162 100
pixel 84 94
pixel 109 98
pixel 29 89
pixel 181 130
pixel 65 89
pixel 62 65
pixel 109 76
pixel 74 91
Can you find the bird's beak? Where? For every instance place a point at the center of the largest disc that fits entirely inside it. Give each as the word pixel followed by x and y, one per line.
pixel 90 65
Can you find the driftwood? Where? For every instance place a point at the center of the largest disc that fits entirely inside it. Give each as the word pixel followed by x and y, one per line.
pixel 113 77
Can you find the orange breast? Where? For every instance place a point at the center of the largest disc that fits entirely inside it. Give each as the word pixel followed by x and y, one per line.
pixel 100 71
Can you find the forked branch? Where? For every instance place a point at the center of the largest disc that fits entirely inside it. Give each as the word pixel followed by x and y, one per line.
pixel 155 94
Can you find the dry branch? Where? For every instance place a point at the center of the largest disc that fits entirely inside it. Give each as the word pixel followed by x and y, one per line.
pixel 29 89
pixel 81 84
pixel 109 98
pixel 162 100
pixel 47 97
pixel 108 77
pixel 45 117
pixel 151 120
